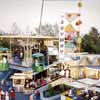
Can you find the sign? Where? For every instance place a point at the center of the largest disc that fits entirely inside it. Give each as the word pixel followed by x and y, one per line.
pixel 61 40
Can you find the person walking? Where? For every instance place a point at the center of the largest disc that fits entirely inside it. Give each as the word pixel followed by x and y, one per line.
pixel 1 94
pixel 12 94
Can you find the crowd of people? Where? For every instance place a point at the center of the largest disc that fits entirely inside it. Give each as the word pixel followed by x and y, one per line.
pixel 36 83
pixel 5 95
pixel 89 95
pixel 82 94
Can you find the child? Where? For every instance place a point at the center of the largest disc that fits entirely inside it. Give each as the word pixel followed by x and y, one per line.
pixel 12 94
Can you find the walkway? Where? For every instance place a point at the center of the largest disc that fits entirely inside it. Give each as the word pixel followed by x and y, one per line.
pixel 54 83
pixel 21 96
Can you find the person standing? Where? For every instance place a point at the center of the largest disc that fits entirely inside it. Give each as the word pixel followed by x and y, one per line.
pixel 6 96
pixel 12 94
pixel 1 94
pixel 67 73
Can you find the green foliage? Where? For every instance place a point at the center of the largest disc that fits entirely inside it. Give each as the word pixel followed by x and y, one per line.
pixel 47 94
pixel 91 41
pixel 67 87
pixel 48 29
pixel 52 91
pixel 50 87
pixel 61 87
pixel 5 43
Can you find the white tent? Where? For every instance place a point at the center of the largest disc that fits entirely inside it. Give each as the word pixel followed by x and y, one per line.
pixel 94 89
pixel 88 81
pixel 77 85
pixel 98 83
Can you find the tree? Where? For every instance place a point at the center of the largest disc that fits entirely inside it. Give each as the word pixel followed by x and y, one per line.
pixel 5 43
pixel 91 41
pixel 48 29
pixel 15 29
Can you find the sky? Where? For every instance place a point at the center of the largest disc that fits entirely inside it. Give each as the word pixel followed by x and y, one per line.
pixel 26 13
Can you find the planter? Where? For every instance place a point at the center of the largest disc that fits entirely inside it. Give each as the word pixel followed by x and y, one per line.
pixel 49 98
pixel 52 93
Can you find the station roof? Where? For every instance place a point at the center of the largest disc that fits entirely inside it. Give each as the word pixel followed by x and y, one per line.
pixel 96 68
pixel 30 37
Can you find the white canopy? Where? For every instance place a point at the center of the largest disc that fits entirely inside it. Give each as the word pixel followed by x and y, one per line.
pixel 88 81
pixel 77 85
pixel 94 89
pixel 98 83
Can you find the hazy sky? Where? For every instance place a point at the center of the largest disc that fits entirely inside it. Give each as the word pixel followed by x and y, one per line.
pixel 27 13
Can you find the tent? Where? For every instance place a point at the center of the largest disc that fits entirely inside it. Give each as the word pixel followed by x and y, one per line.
pixel 98 83
pixel 77 85
pixel 85 61
pixel 94 88
pixel 88 81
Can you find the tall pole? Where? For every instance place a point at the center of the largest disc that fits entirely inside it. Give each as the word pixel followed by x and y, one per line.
pixel 27 52
pixel 10 48
pixel 79 37
pixel 41 17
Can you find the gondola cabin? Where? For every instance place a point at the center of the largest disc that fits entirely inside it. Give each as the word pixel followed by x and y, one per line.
pixel 38 62
pixel 4 65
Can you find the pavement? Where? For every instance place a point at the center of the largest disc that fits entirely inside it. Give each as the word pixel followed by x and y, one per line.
pixel 19 95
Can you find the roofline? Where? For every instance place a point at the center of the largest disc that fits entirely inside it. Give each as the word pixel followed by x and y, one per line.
pixel 30 37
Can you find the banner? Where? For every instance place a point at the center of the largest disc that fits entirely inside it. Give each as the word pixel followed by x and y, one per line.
pixel 61 40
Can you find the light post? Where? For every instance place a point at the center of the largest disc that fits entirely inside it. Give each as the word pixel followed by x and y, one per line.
pixel 27 52
pixel 10 48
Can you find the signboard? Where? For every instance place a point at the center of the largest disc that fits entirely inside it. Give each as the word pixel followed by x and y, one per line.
pixel 61 40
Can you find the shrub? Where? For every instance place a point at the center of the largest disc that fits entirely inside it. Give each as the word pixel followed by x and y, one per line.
pixel 52 91
pixel 50 87
pixel 47 94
